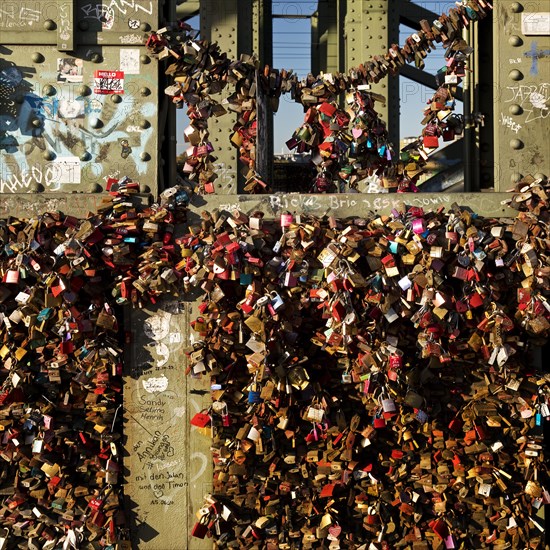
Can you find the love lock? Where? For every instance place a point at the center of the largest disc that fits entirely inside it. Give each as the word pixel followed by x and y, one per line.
pixel 276 301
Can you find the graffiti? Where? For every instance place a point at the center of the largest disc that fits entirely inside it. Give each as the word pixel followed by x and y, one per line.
pixel 533 98
pixel 226 176
pixel 130 39
pixel 11 16
pixel 508 122
pixel 535 55
pixel 100 12
pixel 65 16
pixel 51 175
pixel 134 5
pixel 303 202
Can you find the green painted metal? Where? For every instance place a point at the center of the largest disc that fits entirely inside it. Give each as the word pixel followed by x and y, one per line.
pixel 327 48
pixel 79 95
pixel 220 23
pixel 371 26
pixel 521 90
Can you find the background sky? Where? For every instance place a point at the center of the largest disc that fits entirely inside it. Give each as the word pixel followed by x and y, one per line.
pixel 292 50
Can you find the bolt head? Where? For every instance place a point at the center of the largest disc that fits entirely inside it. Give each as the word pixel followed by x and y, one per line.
pixel 84 90
pixel 515 75
pixel 515 109
pixel 50 25
pixel 515 40
pixel 49 90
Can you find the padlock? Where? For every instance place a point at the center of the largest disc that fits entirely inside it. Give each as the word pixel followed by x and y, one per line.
pixel 276 301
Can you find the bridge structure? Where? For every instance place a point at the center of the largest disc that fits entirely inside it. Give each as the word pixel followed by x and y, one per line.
pixel 82 103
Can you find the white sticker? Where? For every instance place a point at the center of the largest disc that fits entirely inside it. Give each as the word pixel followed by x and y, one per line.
pixel 68 169
pixel 155 385
pixel 129 60
pixel 157 327
pixel 533 23
pixel 70 70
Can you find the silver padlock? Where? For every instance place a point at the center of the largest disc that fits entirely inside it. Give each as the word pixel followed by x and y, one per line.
pixel 276 301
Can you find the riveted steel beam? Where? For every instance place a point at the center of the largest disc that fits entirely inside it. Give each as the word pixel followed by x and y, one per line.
pixel 371 26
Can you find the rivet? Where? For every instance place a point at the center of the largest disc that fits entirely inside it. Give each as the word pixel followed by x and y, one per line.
pixel 515 109
pixel 36 122
pixel 115 98
pixel 144 124
pixel 145 27
pixel 96 188
pixel 515 40
pixel 84 90
pixel 145 156
pixel 516 7
pixel 96 123
pixel 36 188
pixel 96 58
pixel 145 59
pixel 516 144
pixel 85 156
pixel 37 57
pixel 515 177
pixel 19 98
pixel 144 188
pixel 83 25
pixel 540 176
pixel 50 25
pixel 145 91
pixel 515 75
pixel 48 155
pixel 49 90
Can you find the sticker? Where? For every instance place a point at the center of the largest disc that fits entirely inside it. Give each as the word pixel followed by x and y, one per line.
pixel 69 70
pixel 108 82
pixel 68 169
pixel 134 24
pixel 155 385
pixel 129 60
pixel 535 23
pixel 69 109
pixel 126 149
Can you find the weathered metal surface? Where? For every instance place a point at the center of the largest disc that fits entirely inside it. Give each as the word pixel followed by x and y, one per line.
pixel 168 467
pixel 339 205
pixel 370 29
pixel 91 21
pixel 522 90
pixel 344 205
pixel 73 110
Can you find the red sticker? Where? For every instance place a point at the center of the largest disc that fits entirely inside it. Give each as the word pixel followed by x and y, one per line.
pixel 108 82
